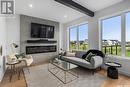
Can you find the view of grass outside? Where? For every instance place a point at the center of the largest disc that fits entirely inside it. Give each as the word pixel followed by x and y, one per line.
pixel 79 38
pixel 114 50
pixel 81 46
pixel 128 50
pixel 73 46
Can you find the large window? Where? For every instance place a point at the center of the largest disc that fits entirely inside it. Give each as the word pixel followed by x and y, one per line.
pixel 111 35
pixel 127 35
pixel 116 35
pixel 73 38
pixel 78 37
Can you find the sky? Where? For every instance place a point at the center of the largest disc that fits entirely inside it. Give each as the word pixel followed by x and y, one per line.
pixel 111 29
pixel 83 33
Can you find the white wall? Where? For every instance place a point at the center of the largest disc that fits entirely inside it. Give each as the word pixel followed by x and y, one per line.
pixel 3 44
pixel 93 32
pixel 9 33
pixel 60 36
pixel 13 33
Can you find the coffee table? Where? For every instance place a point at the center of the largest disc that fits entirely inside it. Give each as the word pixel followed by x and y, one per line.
pixel 63 70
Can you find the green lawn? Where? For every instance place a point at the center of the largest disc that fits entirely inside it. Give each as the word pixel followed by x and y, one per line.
pixel 84 47
pixel 108 50
pixel 127 51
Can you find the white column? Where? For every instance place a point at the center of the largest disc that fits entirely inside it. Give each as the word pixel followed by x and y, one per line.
pixel 123 36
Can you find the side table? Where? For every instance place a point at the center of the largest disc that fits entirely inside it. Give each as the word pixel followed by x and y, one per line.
pixel 13 69
pixel 112 70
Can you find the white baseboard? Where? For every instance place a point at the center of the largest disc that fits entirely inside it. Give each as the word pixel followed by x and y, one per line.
pixel 124 72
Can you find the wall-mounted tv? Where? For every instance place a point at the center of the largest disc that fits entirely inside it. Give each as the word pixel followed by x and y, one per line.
pixel 42 31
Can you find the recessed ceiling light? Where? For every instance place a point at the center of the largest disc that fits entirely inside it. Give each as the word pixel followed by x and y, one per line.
pixel 65 16
pixel 30 5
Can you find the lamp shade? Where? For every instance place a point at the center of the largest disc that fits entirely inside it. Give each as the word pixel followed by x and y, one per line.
pixel 15 45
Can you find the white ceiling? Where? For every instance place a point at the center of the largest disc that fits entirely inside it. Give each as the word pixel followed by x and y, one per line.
pixel 96 5
pixel 49 9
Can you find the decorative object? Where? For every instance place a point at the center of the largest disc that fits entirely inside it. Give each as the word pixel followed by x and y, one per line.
pixel 89 56
pixel 21 55
pixel 62 52
pixel 1 50
pixel 112 70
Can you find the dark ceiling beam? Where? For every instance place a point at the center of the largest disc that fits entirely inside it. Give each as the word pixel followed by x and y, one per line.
pixel 76 6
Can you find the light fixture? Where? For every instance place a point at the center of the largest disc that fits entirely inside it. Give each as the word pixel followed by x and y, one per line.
pixel 13 47
pixel 30 5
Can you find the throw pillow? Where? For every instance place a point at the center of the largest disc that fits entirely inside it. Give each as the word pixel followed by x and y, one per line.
pixel 84 56
pixel 70 54
pixel 89 56
pixel 23 55
pixel 17 56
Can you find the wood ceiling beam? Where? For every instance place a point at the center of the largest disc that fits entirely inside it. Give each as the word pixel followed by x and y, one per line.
pixel 76 6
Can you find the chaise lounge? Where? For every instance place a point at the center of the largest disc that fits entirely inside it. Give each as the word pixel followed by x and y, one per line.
pixel 94 63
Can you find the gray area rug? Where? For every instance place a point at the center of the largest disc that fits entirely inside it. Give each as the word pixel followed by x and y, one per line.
pixel 39 76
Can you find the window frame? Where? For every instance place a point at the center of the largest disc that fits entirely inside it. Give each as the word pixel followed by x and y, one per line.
pixel 123 30
pixel 125 13
pixel 77 26
pixel 120 30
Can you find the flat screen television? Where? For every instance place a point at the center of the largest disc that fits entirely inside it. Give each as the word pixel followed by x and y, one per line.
pixel 42 31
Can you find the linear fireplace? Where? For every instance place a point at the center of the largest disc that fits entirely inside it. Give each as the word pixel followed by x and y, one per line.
pixel 40 49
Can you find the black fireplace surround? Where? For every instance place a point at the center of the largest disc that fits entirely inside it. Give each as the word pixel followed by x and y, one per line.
pixel 40 49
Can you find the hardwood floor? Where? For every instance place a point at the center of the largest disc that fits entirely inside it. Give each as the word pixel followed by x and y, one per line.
pixel 14 82
pixel 123 81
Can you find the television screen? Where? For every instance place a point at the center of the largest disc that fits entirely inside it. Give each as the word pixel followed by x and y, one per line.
pixel 42 31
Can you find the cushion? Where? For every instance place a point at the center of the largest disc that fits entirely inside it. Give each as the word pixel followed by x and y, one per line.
pixel 78 61
pixel 89 56
pixel 79 54
pixel 84 56
pixel 70 54
pixel 97 52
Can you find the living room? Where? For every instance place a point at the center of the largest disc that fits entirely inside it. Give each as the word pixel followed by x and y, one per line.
pixel 54 38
